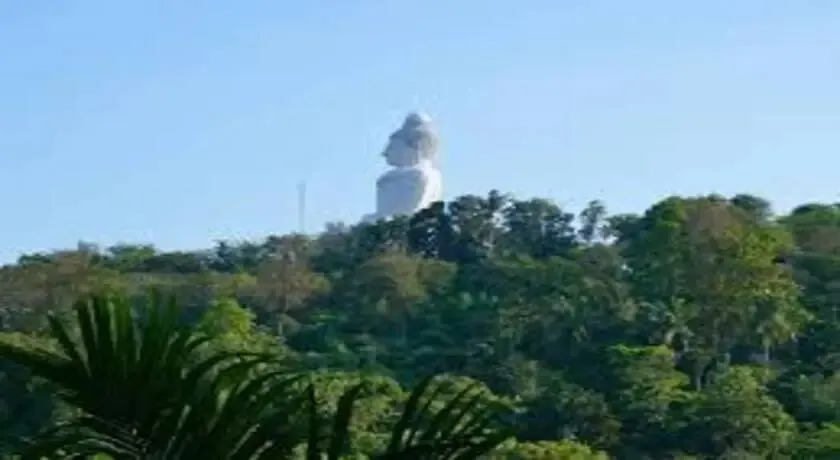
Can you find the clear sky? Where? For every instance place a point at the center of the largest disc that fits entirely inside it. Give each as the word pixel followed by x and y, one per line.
pixel 178 123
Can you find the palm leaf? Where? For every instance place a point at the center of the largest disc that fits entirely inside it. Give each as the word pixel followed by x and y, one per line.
pixel 341 424
pixel 115 372
pixel 463 429
pixel 146 393
pixel 242 420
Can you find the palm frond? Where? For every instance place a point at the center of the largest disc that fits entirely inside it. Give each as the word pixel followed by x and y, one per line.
pixel 118 369
pixel 146 391
pixel 464 428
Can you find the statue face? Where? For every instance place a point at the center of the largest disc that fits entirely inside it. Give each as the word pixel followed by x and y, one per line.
pixel 399 154
pixel 412 144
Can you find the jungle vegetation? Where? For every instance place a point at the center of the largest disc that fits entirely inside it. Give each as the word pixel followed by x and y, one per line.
pixel 485 327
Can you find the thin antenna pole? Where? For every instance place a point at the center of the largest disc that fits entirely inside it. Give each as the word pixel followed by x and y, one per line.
pixel 302 207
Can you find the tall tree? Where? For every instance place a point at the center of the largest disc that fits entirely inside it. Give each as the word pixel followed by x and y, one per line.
pixel 707 254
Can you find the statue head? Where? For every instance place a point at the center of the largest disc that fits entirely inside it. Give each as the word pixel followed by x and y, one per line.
pixel 415 142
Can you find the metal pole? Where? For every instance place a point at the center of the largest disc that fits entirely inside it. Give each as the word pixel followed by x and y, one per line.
pixel 302 207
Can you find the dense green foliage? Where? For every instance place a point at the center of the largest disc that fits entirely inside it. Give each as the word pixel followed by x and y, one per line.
pixel 705 327
pixel 144 385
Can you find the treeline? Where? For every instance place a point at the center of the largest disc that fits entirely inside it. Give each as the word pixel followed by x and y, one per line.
pixel 705 327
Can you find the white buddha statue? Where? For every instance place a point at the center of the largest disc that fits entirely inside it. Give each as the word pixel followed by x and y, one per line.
pixel 414 183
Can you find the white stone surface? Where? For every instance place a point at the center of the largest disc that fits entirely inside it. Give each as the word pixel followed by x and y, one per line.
pixel 414 182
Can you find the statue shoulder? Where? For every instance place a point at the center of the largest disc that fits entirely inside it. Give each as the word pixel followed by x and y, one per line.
pixel 411 174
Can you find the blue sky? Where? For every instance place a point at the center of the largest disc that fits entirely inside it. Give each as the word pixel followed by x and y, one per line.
pixel 179 123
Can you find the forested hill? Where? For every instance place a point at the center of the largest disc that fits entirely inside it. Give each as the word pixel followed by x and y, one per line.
pixel 705 327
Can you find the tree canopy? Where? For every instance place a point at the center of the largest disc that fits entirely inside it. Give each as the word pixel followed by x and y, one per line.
pixel 704 327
